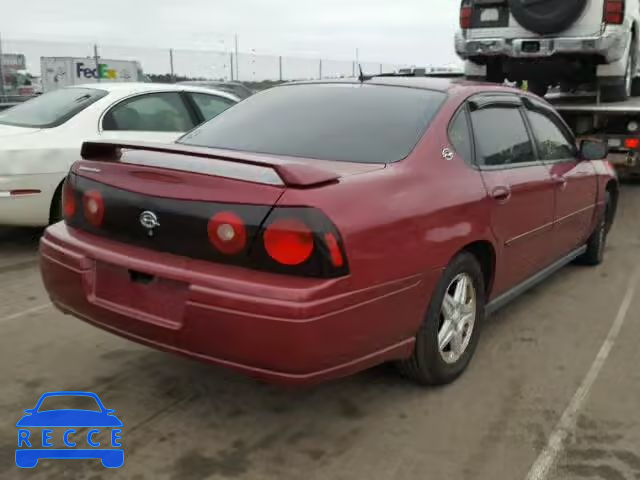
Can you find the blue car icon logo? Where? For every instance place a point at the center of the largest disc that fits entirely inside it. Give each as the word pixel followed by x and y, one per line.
pixel 40 428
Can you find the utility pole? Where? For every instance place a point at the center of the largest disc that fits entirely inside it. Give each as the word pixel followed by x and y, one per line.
pixel 320 72
pixel 231 64
pixel 237 59
pixel 280 66
pixel 173 75
pixel 96 56
pixel 2 90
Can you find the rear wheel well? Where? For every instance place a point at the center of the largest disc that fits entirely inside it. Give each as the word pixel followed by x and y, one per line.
pixel 486 256
pixel 56 204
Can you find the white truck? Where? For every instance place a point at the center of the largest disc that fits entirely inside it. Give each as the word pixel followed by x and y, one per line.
pixel 58 72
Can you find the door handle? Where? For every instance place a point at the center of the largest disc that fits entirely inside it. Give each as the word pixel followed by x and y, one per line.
pixel 560 181
pixel 501 194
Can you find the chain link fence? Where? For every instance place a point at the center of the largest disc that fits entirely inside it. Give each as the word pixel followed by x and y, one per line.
pixel 170 65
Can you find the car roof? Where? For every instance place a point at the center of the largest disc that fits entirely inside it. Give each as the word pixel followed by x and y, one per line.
pixel 440 83
pixel 128 88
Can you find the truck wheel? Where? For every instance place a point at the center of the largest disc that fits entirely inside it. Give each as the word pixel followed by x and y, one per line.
pixel 449 333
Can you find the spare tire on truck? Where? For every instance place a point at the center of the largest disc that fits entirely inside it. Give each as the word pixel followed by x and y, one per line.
pixel 547 16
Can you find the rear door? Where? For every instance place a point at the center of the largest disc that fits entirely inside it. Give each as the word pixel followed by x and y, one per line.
pixel 519 186
pixel 575 180
pixel 150 117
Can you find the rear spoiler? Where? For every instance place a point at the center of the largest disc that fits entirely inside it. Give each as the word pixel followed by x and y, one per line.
pixel 298 175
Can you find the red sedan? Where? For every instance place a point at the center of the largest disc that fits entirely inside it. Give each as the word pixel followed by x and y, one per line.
pixel 317 229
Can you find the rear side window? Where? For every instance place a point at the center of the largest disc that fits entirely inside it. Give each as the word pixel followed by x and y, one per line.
pixel 553 144
pixel 210 106
pixel 153 112
pixel 501 137
pixel 344 122
pixel 460 136
pixel 51 109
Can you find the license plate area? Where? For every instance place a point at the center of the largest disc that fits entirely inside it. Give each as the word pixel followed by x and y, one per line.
pixel 153 299
pixel 531 46
pixel 491 15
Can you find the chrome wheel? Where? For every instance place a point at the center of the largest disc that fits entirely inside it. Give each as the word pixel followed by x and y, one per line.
pixel 457 318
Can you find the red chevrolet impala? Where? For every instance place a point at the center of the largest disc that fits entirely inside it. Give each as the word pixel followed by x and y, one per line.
pixel 317 229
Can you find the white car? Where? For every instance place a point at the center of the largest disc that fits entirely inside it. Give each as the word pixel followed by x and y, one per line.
pixel 553 42
pixel 40 139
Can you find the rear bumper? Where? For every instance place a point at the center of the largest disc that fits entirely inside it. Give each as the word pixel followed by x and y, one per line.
pixel 273 327
pixel 611 46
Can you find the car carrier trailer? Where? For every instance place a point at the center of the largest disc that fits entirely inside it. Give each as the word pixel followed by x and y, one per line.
pixel 616 123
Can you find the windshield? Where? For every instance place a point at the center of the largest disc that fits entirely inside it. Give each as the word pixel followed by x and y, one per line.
pixel 66 402
pixel 344 122
pixel 51 109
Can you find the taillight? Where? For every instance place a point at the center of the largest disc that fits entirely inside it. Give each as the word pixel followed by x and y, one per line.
pixel 614 12
pixel 465 15
pixel 68 200
pixel 288 241
pixel 93 207
pixel 300 241
pixel 632 143
pixel 227 233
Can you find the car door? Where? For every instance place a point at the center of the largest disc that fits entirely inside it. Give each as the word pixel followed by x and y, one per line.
pixel 519 187
pixel 151 117
pixel 575 180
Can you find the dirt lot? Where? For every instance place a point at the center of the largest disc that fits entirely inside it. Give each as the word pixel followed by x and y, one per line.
pixel 548 366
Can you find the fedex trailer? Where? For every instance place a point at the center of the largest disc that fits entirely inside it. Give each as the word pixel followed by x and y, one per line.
pixel 58 72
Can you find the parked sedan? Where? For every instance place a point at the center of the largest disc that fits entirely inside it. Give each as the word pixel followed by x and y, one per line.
pixel 40 139
pixel 299 248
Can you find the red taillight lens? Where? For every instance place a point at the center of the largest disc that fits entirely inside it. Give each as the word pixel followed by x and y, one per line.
pixel 288 241
pixel 632 143
pixel 68 201
pixel 614 12
pixel 227 233
pixel 465 16
pixel 335 253
pixel 93 206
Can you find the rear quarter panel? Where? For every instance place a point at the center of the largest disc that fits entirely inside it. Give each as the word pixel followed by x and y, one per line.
pixel 409 219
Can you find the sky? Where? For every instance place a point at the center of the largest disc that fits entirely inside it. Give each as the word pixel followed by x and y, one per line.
pixel 394 32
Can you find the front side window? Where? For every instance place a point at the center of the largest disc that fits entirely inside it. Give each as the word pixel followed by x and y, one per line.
pixel 501 137
pixel 153 112
pixel 335 121
pixel 553 144
pixel 51 109
pixel 211 106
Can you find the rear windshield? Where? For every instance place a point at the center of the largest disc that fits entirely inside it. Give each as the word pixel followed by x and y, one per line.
pixel 345 122
pixel 51 109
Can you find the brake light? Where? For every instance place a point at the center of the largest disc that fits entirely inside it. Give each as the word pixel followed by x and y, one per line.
pixel 93 206
pixel 227 233
pixel 614 12
pixel 68 201
pixel 289 241
pixel 632 143
pixel 465 16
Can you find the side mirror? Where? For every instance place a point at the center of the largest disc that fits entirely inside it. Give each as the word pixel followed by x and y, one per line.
pixel 593 150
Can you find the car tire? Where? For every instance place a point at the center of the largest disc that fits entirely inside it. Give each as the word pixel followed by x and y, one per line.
pixel 430 364
pixel 635 87
pixel 623 90
pixel 598 240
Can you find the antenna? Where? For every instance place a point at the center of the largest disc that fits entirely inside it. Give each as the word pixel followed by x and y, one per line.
pixel 362 78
